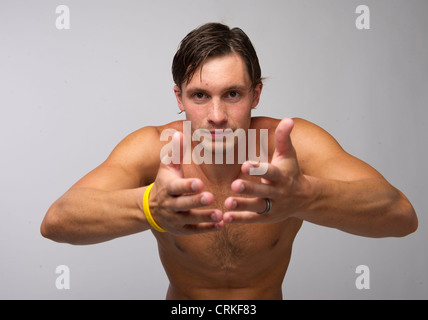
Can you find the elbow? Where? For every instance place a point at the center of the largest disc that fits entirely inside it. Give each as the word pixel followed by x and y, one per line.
pixel 50 227
pixel 412 224
pixel 407 221
pixel 46 229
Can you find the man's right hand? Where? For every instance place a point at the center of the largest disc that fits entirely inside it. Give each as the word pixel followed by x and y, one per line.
pixel 176 203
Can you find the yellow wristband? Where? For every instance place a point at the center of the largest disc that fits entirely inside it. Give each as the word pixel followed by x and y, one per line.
pixel 146 210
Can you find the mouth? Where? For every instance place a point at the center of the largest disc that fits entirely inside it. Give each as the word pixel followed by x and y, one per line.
pixel 220 134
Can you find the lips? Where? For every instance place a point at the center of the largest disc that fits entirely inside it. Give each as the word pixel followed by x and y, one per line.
pixel 220 134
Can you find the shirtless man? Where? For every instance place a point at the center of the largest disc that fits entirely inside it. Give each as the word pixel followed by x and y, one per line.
pixel 229 233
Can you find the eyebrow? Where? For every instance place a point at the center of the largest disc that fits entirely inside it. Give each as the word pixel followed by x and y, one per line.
pixel 231 88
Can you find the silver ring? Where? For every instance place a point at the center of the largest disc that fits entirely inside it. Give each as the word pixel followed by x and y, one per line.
pixel 268 206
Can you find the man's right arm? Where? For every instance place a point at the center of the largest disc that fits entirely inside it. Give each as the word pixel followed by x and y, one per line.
pixel 107 202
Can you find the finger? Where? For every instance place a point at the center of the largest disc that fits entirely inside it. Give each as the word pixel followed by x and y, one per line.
pixel 252 188
pixel 283 145
pixel 271 172
pixel 244 217
pixel 171 154
pixel 197 216
pixel 178 187
pixel 187 202
pixel 245 204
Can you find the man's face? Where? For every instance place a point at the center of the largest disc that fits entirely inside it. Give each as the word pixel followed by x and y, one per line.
pixel 219 96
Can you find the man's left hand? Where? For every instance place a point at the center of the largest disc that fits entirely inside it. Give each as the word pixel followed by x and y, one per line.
pixel 283 184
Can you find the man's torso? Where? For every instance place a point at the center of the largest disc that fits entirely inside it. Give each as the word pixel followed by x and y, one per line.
pixel 242 261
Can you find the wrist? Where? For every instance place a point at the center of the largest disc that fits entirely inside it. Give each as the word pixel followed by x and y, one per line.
pixel 147 211
pixel 309 194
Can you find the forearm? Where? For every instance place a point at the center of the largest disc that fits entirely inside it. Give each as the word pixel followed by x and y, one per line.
pixel 371 208
pixel 86 216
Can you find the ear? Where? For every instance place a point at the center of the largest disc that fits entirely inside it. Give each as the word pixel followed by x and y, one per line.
pixel 177 93
pixel 257 93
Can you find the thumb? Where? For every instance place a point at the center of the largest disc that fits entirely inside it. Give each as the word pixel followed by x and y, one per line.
pixel 283 145
pixel 172 154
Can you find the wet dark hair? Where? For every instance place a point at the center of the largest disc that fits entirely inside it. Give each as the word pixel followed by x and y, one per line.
pixel 213 40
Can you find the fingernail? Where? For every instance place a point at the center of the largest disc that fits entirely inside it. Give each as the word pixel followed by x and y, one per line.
pixel 234 204
pixel 213 217
pixel 203 200
pixel 241 188
pixel 194 186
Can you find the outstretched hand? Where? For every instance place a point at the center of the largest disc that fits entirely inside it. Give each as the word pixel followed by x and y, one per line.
pixel 282 183
pixel 176 202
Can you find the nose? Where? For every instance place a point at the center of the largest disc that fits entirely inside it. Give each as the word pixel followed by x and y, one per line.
pixel 217 116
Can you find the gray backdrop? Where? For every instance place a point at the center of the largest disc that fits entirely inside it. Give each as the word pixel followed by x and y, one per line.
pixel 68 97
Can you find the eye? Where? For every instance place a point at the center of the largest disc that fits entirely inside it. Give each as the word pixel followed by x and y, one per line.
pixel 199 96
pixel 233 95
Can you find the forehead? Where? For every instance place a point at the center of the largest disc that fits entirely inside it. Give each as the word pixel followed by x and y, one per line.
pixel 220 72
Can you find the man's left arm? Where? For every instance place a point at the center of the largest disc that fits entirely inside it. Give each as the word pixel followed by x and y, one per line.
pixel 319 182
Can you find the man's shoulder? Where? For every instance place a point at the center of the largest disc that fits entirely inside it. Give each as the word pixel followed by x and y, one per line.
pixel 146 139
pixel 303 135
pixel 272 123
pixel 139 152
pixel 175 125
pixel 264 123
pixel 151 132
